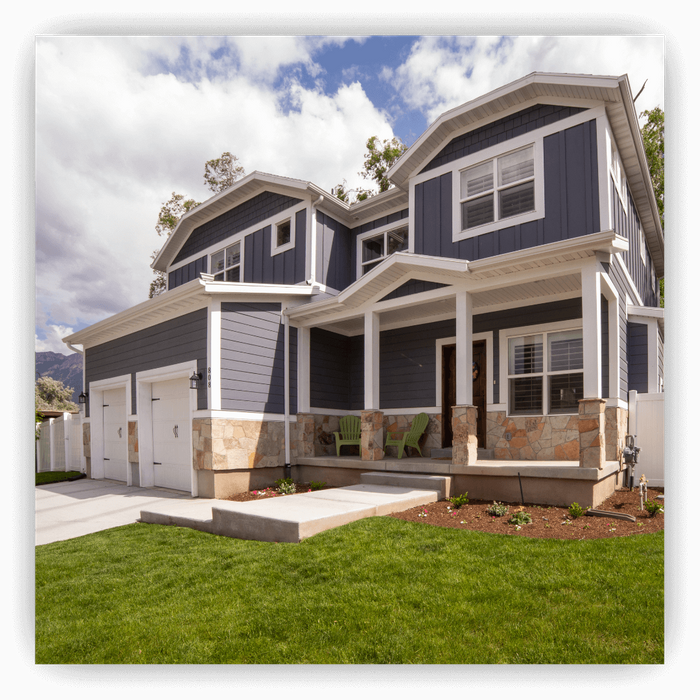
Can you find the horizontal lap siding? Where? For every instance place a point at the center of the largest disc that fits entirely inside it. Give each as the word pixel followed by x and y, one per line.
pixel 171 342
pixel 252 358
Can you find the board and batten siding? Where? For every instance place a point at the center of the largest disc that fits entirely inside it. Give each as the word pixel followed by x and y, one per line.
pixel 571 203
pixel 187 273
pixel 637 357
pixel 178 340
pixel 252 358
pixel 334 254
pixel 337 371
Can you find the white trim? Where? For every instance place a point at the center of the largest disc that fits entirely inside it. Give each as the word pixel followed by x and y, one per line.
pixel 603 132
pixel 274 248
pixel 592 337
pixel 375 233
pixel 219 249
pixel 633 286
pixel 240 415
pixel 476 337
pixel 610 293
pixel 372 360
pixel 504 334
pixel 303 369
pixel 492 154
pixel 464 322
pixel 213 377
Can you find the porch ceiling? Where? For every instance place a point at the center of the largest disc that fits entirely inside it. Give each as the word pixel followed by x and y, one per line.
pixel 539 272
pixel 425 308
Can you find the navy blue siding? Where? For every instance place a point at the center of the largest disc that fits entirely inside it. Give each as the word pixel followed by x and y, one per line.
pixel 629 226
pixel 252 358
pixel 407 358
pixel 171 342
pixel 571 203
pixel 238 219
pixel 261 267
pixel 637 347
pixel 333 252
pixel 187 273
pixel 502 130
pixel 412 287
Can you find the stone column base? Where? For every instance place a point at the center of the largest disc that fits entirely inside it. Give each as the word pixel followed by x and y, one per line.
pixel 591 430
pixel 372 441
pixel 464 437
pixel 306 430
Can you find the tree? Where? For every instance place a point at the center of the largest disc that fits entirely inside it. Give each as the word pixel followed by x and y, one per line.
pixel 221 173
pixel 379 159
pixel 51 395
pixel 653 138
pixel 168 218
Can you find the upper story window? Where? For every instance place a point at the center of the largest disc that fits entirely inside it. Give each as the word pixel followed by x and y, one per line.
pixel 283 235
pixel 375 247
pixel 498 189
pixel 225 264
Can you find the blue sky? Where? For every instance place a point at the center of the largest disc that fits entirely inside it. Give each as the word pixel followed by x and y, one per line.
pixel 122 122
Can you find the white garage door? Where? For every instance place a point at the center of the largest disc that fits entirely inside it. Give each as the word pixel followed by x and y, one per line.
pixel 172 458
pixel 115 434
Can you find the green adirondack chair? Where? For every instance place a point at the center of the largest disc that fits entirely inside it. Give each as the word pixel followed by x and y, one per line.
pixel 350 432
pixel 409 439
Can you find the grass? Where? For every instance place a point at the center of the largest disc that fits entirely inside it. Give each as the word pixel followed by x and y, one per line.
pixel 53 477
pixel 378 591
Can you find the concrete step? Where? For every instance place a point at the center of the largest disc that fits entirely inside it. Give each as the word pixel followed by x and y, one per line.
pixel 292 518
pixel 440 484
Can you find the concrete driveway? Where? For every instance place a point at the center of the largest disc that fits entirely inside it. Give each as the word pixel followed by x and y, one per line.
pixel 74 508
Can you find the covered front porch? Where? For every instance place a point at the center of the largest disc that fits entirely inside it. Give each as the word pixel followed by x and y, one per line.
pixel 377 350
pixel 555 483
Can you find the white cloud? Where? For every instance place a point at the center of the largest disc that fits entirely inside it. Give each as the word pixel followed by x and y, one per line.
pixel 444 72
pixel 52 342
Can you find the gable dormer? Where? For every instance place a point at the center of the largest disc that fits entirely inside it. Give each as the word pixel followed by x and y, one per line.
pixel 530 164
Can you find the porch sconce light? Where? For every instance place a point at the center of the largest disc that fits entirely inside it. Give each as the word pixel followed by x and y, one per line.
pixel 195 379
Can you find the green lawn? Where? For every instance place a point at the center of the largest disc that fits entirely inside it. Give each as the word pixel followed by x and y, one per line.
pixel 377 591
pixel 53 477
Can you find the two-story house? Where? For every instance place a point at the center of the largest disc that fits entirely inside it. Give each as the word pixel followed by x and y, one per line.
pixel 507 286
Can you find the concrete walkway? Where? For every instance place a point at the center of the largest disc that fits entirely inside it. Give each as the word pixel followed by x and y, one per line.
pixel 72 509
pixel 293 518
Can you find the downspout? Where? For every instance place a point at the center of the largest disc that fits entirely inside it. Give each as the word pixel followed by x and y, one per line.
pixel 287 450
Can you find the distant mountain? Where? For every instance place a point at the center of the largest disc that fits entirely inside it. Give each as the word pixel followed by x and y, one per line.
pixel 65 368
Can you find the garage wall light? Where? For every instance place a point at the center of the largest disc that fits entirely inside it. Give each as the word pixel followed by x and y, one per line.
pixel 83 398
pixel 195 379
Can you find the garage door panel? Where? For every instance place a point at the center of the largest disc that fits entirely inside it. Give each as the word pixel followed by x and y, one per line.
pixel 172 459
pixel 114 434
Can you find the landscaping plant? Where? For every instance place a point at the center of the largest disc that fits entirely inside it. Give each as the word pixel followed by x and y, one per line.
pixel 285 486
pixel 520 518
pixel 460 500
pixel 497 509
pixel 575 510
pixel 317 485
pixel 653 507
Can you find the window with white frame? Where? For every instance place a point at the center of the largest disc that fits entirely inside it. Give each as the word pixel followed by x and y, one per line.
pixel 282 235
pixel 225 264
pixel 376 247
pixel 498 189
pixel 545 373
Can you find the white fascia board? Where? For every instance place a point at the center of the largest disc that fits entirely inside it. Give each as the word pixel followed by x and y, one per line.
pixel 645 311
pixel 249 288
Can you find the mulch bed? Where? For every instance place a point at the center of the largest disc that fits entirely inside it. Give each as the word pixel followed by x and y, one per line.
pixel 548 522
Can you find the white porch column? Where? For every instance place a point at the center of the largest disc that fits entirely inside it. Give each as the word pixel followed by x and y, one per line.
pixel 610 293
pixel 464 349
pixel 592 344
pixel 371 361
pixel 303 370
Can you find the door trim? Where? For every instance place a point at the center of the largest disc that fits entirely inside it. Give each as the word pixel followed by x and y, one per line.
pixel 476 337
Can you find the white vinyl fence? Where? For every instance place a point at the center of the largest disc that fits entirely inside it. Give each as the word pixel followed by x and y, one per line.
pixel 60 445
pixel 647 423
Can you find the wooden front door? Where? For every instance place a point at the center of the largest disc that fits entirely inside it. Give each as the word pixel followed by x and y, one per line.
pixel 449 390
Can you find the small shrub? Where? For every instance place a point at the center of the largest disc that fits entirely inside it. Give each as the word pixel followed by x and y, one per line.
pixel 520 518
pixel 575 510
pixel 497 509
pixel 653 507
pixel 459 501
pixel 285 486
pixel 317 485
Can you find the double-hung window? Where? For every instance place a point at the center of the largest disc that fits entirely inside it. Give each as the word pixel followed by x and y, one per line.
pixel 374 249
pixel 545 373
pixel 225 264
pixel 498 189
